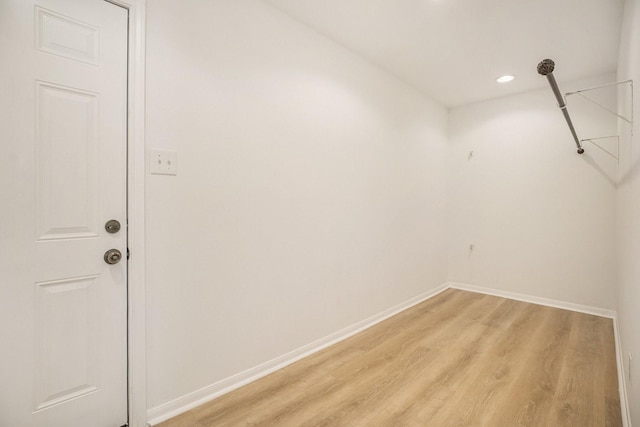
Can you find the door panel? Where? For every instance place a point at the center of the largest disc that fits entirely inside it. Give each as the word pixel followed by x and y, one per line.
pixel 63 310
pixel 66 363
pixel 61 35
pixel 67 156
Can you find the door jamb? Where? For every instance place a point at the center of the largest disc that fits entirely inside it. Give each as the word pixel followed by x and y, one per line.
pixel 136 324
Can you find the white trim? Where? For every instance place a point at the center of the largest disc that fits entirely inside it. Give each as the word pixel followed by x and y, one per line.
pixel 622 384
pixel 137 381
pixel 596 311
pixel 182 404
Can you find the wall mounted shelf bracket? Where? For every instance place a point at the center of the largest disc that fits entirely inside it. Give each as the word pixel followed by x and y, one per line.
pixel 628 118
pixel 546 68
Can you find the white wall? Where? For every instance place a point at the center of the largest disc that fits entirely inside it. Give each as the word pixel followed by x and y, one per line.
pixel 629 214
pixel 310 191
pixel 312 188
pixel 540 216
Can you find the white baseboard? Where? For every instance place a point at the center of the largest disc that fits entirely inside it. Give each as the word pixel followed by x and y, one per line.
pixel 596 311
pixel 622 385
pixel 189 401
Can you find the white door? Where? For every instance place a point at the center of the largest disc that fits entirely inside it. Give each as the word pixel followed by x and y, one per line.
pixel 63 121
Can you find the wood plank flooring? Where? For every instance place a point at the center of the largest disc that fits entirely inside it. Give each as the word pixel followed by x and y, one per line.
pixel 458 359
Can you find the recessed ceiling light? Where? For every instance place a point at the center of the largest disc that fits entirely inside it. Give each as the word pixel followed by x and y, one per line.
pixel 504 79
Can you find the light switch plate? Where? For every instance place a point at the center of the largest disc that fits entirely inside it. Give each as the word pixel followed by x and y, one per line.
pixel 163 162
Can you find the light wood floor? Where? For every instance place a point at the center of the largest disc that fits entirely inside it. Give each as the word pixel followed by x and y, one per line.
pixel 458 359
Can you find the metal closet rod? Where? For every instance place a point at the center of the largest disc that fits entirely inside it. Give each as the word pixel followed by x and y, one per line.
pixel 545 68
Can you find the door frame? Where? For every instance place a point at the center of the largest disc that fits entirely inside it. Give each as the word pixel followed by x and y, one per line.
pixel 136 175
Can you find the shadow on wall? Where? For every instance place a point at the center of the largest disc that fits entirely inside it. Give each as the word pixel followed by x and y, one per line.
pixel 606 166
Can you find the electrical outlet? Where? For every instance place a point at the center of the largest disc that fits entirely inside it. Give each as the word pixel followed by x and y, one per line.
pixel 163 162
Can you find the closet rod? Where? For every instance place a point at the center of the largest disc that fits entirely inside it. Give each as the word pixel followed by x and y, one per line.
pixel 545 68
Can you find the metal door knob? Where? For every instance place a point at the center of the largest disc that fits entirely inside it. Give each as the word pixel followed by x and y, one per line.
pixel 112 226
pixel 112 256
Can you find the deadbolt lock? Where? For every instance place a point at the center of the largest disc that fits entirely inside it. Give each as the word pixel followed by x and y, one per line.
pixel 112 256
pixel 112 226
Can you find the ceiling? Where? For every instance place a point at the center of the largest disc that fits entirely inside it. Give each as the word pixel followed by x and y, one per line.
pixel 453 50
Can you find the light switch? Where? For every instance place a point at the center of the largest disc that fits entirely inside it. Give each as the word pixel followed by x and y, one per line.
pixel 163 162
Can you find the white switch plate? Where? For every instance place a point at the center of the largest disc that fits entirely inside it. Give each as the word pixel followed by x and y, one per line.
pixel 163 162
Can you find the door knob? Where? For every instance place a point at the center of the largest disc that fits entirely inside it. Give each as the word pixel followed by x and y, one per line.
pixel 112 256
pixel 112 226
